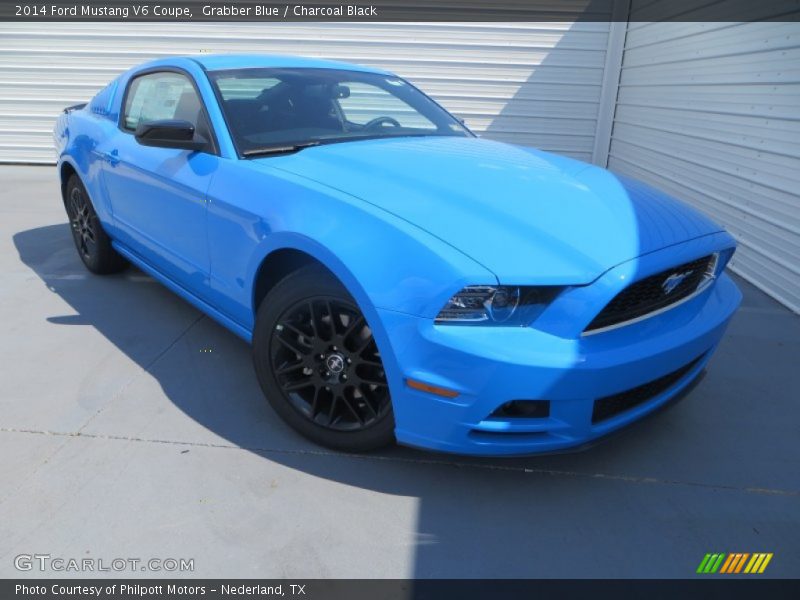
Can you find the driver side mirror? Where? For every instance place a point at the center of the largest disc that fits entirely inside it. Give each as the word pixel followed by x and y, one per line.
pixel 169 133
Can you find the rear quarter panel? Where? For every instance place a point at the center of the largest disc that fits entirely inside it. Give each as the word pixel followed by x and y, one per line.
pixel 77 135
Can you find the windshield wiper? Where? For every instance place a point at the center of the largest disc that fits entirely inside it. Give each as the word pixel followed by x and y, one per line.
pixel 285 149
pixel 289 148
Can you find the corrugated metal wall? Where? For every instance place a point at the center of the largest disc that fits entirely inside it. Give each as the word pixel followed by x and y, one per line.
pixel 707 111
pixel 536 84
pixel 710 112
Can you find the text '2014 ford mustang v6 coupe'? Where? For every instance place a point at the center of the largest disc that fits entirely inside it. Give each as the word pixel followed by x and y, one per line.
pixel 398 277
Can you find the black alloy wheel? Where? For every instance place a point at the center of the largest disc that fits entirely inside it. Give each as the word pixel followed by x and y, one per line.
pixel 92 242
pixel 82 223
pixel 328 366
pixel 323 371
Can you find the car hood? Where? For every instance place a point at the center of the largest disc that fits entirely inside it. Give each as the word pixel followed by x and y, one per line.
pixel 528 216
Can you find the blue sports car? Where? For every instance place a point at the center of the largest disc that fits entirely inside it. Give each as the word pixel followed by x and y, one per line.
pixel 398 277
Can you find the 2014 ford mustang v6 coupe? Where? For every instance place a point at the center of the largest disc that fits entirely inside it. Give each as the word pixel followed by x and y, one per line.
pixel 398 277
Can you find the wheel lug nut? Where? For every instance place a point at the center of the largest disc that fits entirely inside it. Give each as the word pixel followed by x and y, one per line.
pixel 344 377
pixel 335 348
pixel 349 361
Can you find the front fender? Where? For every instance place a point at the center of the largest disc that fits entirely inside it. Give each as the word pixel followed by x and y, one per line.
pixel 384 261
pixel 288 240
pixel 294 241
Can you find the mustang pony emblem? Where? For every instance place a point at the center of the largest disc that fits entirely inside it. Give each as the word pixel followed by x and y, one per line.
pixel 335 363
pixel 674 280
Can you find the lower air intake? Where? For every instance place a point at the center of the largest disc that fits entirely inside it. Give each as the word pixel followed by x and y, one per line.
pixel 611 406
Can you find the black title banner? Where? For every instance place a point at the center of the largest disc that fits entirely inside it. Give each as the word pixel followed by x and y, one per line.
pixel 399 10
pixel 420 589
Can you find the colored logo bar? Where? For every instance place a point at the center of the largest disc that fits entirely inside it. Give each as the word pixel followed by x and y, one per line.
pixel 735 562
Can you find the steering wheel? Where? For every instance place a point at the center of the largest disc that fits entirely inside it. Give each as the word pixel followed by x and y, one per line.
pixel 380 121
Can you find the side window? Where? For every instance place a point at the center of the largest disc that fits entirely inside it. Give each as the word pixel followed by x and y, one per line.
pixel 367 102
pixel 159 96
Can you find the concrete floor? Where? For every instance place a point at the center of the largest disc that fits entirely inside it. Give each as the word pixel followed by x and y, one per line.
pixel 121 438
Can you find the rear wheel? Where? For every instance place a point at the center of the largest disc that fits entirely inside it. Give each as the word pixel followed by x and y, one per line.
pixel 91 240
pixel 318 364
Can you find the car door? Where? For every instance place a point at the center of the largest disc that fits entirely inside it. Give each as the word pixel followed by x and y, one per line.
pixel 158 195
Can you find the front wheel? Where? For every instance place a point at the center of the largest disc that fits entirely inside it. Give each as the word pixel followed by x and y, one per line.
pixel 318 363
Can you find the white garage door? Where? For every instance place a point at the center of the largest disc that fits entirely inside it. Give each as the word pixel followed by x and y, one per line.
pixel 535 84
pixel 710 112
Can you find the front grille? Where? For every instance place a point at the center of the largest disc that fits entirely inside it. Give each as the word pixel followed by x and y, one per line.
pixel 650 294
pixel 610 406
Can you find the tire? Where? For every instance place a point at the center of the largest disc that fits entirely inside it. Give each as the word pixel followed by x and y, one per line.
pixel 318 364
pixel 91 240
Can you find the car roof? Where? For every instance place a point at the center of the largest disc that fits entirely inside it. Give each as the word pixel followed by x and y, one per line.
pixel 217 62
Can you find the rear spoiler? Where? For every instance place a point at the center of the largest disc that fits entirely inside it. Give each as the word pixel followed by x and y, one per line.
pixel 69 109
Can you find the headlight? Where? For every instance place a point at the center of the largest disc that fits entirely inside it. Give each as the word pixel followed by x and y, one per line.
pixel 497 305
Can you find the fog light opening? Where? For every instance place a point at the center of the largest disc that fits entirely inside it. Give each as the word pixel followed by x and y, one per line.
pixel 523 409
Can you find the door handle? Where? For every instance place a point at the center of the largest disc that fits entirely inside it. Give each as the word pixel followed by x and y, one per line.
pixel 112 157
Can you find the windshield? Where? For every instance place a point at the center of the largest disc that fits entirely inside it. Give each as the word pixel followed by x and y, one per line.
pixel 283 108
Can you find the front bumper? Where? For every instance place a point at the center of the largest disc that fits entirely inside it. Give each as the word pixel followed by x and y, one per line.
pixel 490 366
